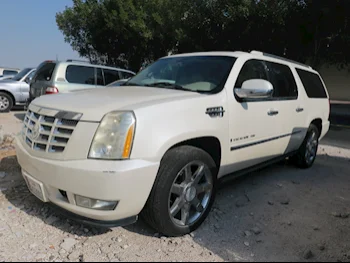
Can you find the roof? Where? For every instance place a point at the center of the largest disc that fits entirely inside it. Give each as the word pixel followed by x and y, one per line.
pixel 252 54
pixel 211 53
pixel 82 63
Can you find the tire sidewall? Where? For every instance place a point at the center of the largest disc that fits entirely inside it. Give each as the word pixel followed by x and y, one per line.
pixel 184 158
pixel 10 104
pixel 302 153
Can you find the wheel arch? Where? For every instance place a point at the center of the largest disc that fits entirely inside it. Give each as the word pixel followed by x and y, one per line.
pixel 318 123
pixel 209 144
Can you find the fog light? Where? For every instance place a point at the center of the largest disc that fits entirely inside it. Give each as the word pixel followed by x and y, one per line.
pixel 95 204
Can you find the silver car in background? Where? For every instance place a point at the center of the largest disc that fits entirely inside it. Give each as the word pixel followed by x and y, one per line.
pixel 54 77
pixel 6 77
pixel 15 91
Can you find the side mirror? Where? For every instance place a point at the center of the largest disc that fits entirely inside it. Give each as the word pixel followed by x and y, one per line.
pixel 255 89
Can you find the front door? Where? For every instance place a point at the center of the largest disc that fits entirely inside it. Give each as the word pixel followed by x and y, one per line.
pixel 255 126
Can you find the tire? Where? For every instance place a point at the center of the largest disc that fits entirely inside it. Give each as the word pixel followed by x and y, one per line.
pixel 6 102
pixel 174 188
pixel 307 152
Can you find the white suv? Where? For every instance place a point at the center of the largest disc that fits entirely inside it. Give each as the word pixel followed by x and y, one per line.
pixel 157 145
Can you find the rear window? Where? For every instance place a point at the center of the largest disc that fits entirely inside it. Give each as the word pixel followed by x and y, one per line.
pixel 110 75
pixel 44 71
pixel 80 75
pixel 9 72
pixel 312 83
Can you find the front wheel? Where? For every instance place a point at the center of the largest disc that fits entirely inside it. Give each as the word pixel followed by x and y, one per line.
pixel 183 193
pixel 306 155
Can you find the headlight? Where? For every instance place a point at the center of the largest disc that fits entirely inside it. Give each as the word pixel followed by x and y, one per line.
pixel 114 137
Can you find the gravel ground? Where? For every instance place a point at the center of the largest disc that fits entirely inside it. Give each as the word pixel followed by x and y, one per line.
pixel 280 213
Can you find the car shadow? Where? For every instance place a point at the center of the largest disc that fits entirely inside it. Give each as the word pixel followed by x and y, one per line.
pixel 268 215
pixel 277 213
pixel 337 137
pixel 15 190
pixel 20 116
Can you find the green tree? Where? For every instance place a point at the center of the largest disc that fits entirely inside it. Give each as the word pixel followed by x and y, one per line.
pixel 129 32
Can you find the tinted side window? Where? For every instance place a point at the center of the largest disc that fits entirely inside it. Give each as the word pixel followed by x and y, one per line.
pixel 312 83
pixel 44 72
pixel 252 69
pixel 99 77
pixel 9 72
pixel 126 75
pixel 80 75
pixel 111 75
pixel 282 79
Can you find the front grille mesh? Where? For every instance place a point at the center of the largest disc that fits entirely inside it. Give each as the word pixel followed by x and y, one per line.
pixel 47 133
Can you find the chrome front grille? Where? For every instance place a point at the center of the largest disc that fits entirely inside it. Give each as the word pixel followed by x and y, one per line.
pixel 47 133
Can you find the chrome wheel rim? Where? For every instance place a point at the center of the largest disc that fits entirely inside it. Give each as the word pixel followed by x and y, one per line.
pixel 190 194
pixel 4 103
pixel 311 148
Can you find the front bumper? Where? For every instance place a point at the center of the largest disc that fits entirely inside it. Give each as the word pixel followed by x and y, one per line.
pixel 129 182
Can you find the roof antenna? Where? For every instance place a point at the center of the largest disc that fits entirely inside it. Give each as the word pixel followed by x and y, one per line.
pixel 56 58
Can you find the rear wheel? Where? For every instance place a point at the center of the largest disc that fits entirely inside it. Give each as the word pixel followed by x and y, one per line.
pixel 307 153
pixel 183 193
pixel 6 102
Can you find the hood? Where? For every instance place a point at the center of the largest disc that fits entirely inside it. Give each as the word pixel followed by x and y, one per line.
pixel 95 103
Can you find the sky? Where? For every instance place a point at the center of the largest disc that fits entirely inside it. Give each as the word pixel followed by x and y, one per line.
pixel 29 33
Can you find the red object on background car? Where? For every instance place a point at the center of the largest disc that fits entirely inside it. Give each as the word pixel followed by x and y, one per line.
pixel 51 90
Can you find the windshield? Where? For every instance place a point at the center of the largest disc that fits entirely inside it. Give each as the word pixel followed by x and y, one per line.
pixel 195 73
pixel 21 74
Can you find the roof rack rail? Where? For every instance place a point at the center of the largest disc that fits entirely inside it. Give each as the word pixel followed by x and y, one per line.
pixel 278 57
pixel 77 60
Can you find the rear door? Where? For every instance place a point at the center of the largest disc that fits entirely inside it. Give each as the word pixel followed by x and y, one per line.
pixel 290 109
pixel 42 79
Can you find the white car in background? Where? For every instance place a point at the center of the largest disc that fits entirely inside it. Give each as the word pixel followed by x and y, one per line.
pixel 6 72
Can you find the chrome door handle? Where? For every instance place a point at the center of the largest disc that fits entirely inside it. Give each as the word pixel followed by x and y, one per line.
pixel 272 112
pixel 299 109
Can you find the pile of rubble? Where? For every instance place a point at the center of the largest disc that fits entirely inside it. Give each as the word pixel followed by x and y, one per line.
pixel 6 140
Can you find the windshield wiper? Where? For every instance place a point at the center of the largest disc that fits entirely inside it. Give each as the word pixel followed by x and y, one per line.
pixel 169 85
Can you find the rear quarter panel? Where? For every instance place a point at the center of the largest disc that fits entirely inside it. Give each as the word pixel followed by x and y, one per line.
pixel 316 108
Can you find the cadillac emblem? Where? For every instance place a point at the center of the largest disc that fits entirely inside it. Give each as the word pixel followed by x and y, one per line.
pixel 35 131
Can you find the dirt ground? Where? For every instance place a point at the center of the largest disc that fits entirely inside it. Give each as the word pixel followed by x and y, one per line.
pixel 278 214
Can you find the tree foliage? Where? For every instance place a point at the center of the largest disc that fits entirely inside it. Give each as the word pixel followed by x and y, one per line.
pixel 129 32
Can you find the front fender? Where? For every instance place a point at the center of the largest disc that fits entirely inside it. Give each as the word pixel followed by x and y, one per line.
pixel 159 128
